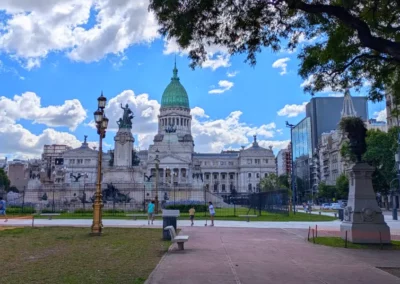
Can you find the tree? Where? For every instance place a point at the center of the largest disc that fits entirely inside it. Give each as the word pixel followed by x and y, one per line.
pixel 4 181
pixel 269 183
pixel 342 187
pixel 327 192
pixel 381 149
pixel 355 40
pixel 283 181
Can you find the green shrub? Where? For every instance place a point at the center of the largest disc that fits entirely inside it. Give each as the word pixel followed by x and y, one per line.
pixel 185 208
pixel 49 210
pixel 18 210
pixel 83 211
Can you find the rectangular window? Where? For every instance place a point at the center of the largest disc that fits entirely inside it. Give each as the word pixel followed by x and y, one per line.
pixel 72 161
pixel 215 176
pixel 223 176
pixel 231 176
pixel 249 161
pixel 265 161
pixel 230 163
pixel 258 175
pixel 249 175
pixel 222 163
pixel 87 161
pixel 215 163
pixel 79 161
pixel 207 176
pixel 257 161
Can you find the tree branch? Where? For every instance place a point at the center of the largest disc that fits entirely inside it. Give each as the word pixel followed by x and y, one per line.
pixel 364 33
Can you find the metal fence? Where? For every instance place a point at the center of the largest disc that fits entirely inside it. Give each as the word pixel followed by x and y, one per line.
pixel 119 199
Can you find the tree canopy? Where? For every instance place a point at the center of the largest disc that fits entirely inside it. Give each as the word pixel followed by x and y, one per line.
pixel 4 181
pixel 348 42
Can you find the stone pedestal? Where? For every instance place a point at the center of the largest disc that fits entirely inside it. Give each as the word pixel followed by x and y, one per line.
pixel 363 219
pixel 123 148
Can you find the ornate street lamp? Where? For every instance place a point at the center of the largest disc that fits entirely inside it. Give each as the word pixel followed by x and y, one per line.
pixel 157 162
pixel 101 125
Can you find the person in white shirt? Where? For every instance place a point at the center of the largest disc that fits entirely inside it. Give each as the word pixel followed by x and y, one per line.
pixel 212 212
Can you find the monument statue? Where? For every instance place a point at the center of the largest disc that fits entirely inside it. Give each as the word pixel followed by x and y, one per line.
pixel 126 120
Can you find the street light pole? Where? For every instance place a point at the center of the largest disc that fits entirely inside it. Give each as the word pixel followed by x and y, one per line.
pixel 291 126
pixel 157 161
pixel 101 125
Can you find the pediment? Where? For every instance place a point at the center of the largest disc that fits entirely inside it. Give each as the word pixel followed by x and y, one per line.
pixel 173 159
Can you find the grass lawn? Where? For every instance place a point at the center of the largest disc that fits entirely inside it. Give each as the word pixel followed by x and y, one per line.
pixel 70 255
pixel 339 242
pixel 221 214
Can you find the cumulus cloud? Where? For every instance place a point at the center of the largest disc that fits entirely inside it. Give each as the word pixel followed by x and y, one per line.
pixel 34 29
pixel 380 115
pixel 217 56
pixel 281 64
pixel 28 106
pixel 224 86
pixel 292 110
pixel 232 74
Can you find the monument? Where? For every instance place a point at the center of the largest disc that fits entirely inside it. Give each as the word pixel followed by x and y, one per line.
pixel 122 169
pixel 363 219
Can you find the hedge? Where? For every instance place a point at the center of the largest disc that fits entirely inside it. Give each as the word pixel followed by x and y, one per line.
pixel 185 208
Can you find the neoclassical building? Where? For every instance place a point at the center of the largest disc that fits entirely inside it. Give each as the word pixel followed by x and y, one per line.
pixel 180 166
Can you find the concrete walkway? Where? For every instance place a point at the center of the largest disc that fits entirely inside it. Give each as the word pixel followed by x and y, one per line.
pixel 329 225
pixel 262 256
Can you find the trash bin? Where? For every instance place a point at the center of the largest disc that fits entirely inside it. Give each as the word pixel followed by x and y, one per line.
pixel 341 212
pixel 169 219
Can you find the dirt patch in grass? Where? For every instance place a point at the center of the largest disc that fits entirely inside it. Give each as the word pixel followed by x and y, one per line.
pixel 339 242
pixel 70 255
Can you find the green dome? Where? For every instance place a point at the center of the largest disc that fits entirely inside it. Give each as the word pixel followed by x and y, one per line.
pixel 175 94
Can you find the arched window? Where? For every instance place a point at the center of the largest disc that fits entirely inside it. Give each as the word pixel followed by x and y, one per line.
pixel 250 186
pixel 266 174
pixel 249 175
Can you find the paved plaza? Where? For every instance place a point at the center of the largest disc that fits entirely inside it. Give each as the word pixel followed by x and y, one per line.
pixel 253 252
pixel 262 256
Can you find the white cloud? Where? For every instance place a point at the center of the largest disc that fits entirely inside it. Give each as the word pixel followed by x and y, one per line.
pixel 380 115
pixel 336 95
pixel 217 56
pixel 310 82
pixel 224 86
pixel 232 74
pixel 281 64
pixel 28 106
pixel 292 110
pixel 36 28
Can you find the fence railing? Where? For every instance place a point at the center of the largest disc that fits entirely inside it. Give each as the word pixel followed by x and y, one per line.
pixel 120 199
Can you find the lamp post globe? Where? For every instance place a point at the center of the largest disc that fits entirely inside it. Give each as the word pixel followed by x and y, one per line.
pixel 101 101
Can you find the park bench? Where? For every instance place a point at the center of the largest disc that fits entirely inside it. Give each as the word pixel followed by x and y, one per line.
pixel 50 215
pixel 180 240
pixel 135 216
pixel 248 217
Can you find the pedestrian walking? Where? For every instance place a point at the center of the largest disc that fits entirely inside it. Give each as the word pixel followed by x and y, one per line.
pixel 212 212
pixel 3 208
pixel 191 214
pixel 150 212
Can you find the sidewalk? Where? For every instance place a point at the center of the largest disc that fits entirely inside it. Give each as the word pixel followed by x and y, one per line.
pixel 262 256
pixel 328 225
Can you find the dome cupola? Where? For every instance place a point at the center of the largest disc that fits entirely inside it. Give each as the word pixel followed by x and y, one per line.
pixel 175 94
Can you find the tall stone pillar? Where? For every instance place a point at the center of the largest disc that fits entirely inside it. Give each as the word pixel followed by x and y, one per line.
pixel 363 219
pixel 123 148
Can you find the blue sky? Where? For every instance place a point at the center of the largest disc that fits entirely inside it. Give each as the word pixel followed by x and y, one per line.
pixel 66 62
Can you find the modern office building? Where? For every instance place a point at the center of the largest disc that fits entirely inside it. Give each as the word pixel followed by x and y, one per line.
pixel 302 157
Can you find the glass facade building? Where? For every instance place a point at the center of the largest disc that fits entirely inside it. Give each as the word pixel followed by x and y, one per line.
pixel 302 156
